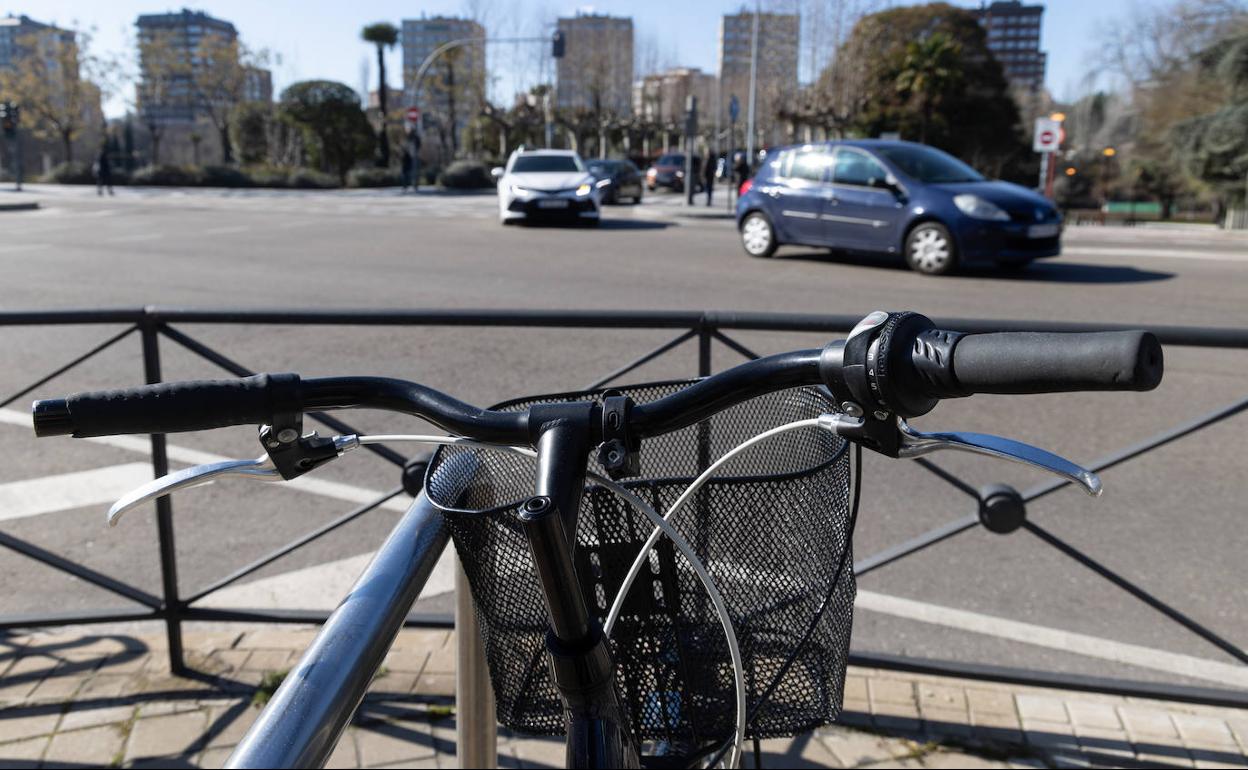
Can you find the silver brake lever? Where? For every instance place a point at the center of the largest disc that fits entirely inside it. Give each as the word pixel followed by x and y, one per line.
pixel 260 469
pixel 915 443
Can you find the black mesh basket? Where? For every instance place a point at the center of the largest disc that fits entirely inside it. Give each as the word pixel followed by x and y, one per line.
pixel 772 529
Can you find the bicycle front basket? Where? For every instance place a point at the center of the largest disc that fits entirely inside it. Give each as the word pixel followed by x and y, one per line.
pixel 772 529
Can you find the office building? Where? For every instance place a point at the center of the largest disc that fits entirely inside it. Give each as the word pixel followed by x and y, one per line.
pixel 455 83
pixel 169 98
pixel 15 31
pixel 1013 32
pixel 596 71
pixel 779 35
pixel 661 97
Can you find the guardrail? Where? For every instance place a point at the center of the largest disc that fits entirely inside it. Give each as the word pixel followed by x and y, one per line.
pixel 1005 512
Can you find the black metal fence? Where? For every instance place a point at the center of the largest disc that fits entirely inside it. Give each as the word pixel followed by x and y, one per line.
pixel 154 325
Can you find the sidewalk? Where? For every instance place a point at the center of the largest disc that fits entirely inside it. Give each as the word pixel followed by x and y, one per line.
pixel 69 699
pixel 10 200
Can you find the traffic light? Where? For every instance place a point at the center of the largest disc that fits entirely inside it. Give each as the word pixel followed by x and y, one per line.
pixel 557 44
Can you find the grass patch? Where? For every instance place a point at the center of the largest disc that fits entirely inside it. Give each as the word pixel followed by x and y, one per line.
pixel 268 685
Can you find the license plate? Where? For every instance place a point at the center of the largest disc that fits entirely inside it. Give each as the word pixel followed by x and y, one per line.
pixel 552 203
pixel 1042 231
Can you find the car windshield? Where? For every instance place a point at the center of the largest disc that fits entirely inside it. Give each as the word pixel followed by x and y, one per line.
pixel 602 168
pixel 927 164
pixel 529 164
pixel 671 160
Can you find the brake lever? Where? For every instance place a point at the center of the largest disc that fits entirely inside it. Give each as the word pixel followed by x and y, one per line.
pixel 915 443
pixel 259 469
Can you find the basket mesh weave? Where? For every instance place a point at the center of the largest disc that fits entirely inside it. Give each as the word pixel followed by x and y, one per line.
pixel 772 529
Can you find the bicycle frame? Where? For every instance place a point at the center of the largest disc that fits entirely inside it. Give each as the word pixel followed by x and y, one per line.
pixel 305 718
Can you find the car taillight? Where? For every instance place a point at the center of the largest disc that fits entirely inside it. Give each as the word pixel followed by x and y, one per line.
pixel 745 187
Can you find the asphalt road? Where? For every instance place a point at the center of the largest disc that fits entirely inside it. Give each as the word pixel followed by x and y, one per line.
pixel 1171 521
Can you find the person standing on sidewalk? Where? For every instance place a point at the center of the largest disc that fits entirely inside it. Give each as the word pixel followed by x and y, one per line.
pixel 103 172
pixel 708 176
pixel 406 171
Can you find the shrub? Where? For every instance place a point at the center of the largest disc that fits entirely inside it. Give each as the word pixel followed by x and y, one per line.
pixel 268 176
pixel 168 176
pixel 71 173
pixel 306 178
pixel 373 177
pixel 224 176
pixel 466 175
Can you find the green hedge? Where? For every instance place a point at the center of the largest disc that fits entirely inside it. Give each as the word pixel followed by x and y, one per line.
pixel 168 176
pixel 308 179
pixel 71 173
pixel 373 177
pixel 466 175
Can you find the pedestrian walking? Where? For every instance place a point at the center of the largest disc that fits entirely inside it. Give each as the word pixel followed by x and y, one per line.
pixel 103 172
pixel 708 176
pixel 743 170
pixel 406 171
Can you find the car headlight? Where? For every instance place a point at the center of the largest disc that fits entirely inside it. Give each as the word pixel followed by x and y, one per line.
pixel 602 183
pixel 584 189
pixel 517 190
pixel 978 208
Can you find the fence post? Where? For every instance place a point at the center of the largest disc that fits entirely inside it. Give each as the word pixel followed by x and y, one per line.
pixel 476 733
pixel 164 512
pixel 704 348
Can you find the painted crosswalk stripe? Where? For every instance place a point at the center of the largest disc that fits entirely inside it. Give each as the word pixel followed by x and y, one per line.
pixel 65 491
pixel 1076 249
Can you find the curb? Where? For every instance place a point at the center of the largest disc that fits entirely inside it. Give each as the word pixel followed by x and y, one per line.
pixel 23 206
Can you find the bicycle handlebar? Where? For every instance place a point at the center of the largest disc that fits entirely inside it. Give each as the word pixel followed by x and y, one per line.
pixel 899 363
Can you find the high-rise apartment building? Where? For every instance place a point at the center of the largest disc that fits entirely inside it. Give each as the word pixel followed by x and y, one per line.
pixel 454 85
pixel 257 85
pixel 1013 31
pixel 596 71
pixel 169 98
pixel 661 97
pixel 779 35
pixel 16 31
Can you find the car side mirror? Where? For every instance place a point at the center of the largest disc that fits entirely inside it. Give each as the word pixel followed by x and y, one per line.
pixel 497 173
pixel 891 183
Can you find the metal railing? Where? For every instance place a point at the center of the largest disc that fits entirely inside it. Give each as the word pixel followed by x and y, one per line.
pixel 154 325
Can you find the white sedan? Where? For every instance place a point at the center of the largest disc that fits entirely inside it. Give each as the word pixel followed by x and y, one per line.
pixel 546 184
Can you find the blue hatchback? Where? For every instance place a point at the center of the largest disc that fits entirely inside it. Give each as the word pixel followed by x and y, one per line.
pixel 892 197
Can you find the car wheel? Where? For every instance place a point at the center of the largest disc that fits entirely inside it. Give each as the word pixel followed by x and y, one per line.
pixel 930 249
pixel 758 236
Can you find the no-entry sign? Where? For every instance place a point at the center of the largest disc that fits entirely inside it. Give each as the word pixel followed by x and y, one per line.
pixel 413 114
pixel 1048 136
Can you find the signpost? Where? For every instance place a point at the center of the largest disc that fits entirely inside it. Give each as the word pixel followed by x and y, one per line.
pixel 1047 140
pixel 691 130
pixel 730 171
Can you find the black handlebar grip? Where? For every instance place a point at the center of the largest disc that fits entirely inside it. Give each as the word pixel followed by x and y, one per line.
pixel 1031 362
pixel 170 407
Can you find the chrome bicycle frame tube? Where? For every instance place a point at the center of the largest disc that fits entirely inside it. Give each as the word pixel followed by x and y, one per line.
pixel 305 718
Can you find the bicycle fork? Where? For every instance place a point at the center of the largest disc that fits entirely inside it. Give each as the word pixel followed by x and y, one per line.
pixel 598 734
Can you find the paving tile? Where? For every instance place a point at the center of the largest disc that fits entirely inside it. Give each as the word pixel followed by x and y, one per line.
pixel 941 697
pixel 92 746
pixel 275 639
pixel 25 675
pixel 103 686
pixel 269 660
pixel 23 751
pixel 344 754
pixel 990 701
pixel 124 663
pixel 442 658
pixel 1147 722
pixel 393 683
pixel 1041 707
pixel 890 691
pixel 955 759
pixel 896 717
pixel 56 688
pixel 95 714
pixel 411 660
pixel 1204 732
pixel 1049 736
pixel 206 642
pixel 943 723
pixel 1216 758
pixel 27 723
pixel 536 752
pixel 855 688
pixel 227 725
pixel 165 736
pixel 386 743
pixel 853 748
pixel 1168 756
pixel 1105 747
pixel 212 759
pixel 1096 716
pixel 435 684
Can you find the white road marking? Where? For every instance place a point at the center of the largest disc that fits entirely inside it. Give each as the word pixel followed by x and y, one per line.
pixel 136 238
pixel 141 445
pixel 10 248
pixel 320 587
pixel 1075 249
pixel 65 491
pixel 1056 639
pixel 226 230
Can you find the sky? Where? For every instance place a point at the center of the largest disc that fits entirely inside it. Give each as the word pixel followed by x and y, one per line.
pixel 320 38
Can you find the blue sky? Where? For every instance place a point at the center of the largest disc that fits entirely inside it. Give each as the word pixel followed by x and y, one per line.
pixel 320 38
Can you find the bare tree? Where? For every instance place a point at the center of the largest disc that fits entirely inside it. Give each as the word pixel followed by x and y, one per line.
pixel 218 82
pixel 160 68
